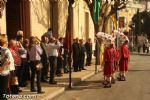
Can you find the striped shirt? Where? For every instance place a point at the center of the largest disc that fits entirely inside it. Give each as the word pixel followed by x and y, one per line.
pixel 16 56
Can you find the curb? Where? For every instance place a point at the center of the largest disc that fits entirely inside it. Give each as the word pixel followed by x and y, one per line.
pixel 87 76
pixel 60 91
pixel 51 96
pixel 83 78
pixel 141 54
pixel 144 54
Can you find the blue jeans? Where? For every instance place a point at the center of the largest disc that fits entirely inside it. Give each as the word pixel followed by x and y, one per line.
pixel 37 73
pixel 53 65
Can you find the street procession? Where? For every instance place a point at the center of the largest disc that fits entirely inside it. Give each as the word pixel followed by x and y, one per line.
pixel 115 58
pixel 74 49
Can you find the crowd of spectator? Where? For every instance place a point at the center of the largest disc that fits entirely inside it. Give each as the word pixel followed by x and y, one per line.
pixel 24 60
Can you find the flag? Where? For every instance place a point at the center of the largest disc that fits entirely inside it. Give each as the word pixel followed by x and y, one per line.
pixel 96 11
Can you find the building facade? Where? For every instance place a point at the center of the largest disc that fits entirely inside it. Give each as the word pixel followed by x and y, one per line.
pixel 34 17
pixel 125 15
pixel 83 26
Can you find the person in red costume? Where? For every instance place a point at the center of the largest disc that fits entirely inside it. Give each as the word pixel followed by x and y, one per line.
pixel 123 64
pixel 116 62
pixel 108 64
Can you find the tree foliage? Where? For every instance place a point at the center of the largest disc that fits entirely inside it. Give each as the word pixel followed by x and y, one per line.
pixel 141 23
pixel 108 8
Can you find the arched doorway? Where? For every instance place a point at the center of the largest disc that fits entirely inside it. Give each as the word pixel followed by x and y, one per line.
pixel 18 17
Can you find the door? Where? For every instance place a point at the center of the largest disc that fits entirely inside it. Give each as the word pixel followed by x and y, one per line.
pixel 17 17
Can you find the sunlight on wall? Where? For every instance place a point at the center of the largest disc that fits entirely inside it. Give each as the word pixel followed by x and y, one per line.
pixel 40 17
pixel 83 27
pixel 62 17
pixel 3 23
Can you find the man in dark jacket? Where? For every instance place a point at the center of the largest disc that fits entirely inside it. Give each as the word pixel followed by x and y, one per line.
pixel 49 34
pixel 60 58
pixel 44 59
pixel 88 47
pixel 75 49
pixel 81 55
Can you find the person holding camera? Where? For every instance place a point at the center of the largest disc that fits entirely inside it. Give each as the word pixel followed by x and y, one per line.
pixel 35 53
pixel 52 49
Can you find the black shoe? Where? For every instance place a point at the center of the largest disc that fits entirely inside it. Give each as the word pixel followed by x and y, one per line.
pixel 52 82
pixel 83 69
pixel 105 82
pixel 79 70
pixel 119 78
pixel 44 80
pixel 40 92
pixel 15 89
pixel 75 70
pixel 86 64
pixel 23 85
pixel 33 90
pixel 113 81
pixel 66 72
pixel 123 78
pixel 19 90
pixel 59 75
pixel 107 85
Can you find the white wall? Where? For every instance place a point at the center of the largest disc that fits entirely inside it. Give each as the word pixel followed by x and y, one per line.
pixel 40 17
pixel 3 23
pixel 79 27
pixel 62 17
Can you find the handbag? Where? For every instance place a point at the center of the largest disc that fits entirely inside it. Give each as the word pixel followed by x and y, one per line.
pixel 39 66
pixel 14 80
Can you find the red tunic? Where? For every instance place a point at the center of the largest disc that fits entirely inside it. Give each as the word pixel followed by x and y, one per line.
pixel 117 55
pixel 109 60
pixel 117 58
pixel 123 64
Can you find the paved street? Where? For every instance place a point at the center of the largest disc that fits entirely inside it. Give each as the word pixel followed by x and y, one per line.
pixel 137 86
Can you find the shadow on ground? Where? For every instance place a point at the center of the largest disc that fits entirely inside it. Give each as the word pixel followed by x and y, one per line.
pixel 87 85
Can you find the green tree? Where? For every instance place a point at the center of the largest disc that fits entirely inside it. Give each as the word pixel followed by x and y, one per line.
pixel 145 16
pixel 107 9
pixel 141 21
pixel 137 22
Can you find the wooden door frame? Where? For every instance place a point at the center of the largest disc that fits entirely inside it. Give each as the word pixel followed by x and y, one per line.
pixel 25 18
